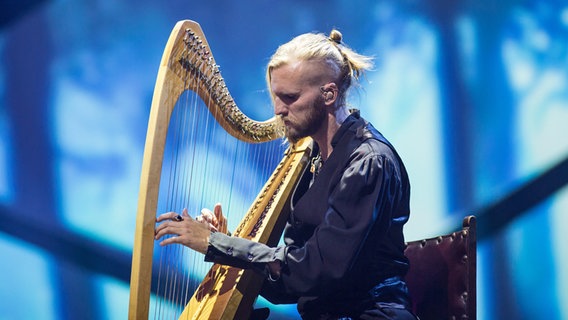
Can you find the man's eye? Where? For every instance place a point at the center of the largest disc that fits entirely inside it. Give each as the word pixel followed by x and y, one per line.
pixel 290 97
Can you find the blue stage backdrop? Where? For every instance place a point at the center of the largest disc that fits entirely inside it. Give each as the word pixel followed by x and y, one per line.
pixel 473 94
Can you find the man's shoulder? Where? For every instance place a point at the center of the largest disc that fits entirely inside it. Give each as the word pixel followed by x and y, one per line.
pixel 373 141
pixel 375 147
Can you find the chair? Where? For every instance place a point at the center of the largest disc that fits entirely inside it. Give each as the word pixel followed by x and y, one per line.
pixel 442 275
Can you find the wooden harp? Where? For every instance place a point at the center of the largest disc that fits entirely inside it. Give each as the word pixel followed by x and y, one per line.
pixel 188 68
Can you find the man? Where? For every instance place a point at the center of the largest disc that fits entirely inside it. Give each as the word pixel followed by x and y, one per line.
pixel 344 247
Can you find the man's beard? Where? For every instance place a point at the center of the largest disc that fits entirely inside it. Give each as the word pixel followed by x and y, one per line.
pixel 307 126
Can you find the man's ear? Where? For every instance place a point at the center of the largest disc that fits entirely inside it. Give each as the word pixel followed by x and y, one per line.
pixel 329 92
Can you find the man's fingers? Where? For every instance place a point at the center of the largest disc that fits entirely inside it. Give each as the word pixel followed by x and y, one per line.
pixel 209 216
pixel 170 240
pixel 218 212
pixel 222 221
pixel 166 228
pixel 166 216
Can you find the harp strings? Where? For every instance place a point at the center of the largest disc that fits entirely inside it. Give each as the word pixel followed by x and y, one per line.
pixel 177 267
pixel 203 165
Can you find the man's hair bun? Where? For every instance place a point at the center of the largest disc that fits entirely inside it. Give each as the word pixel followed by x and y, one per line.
pixel 335 36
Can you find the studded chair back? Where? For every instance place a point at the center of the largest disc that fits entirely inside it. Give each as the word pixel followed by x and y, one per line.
pixel 442 275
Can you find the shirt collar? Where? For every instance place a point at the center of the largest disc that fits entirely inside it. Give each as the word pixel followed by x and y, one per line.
pixel 345 126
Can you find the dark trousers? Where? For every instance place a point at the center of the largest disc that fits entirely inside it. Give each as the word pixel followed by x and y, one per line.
pixel 376 311
pixel 386 312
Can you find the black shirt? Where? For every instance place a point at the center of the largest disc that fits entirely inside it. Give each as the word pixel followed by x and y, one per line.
pixel 344 236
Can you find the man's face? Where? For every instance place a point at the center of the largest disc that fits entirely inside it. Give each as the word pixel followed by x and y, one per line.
pixel 298 100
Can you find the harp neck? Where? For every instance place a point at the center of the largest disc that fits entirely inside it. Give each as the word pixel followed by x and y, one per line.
pixel 190 61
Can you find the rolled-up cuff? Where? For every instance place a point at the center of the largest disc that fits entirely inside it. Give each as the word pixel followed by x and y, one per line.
pixel 241 253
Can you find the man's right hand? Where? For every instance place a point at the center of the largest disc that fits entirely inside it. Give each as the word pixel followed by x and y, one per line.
pixel 216 221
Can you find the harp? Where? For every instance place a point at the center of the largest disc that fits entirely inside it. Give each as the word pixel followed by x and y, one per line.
pixel 189 80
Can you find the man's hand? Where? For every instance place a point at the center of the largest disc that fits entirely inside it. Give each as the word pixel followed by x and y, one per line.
pixel 215 220
pixel 187 231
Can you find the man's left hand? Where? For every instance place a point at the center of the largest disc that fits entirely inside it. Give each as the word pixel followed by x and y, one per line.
pixel 187 231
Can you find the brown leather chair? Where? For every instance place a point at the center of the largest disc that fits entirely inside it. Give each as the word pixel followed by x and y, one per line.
pixel 442 275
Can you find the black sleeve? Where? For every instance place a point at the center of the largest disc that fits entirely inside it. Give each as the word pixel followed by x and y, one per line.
pixel 241 253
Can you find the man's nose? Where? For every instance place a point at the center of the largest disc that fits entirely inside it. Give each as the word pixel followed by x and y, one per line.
pixel 280 108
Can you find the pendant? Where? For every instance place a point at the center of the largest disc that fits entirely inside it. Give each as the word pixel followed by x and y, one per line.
pixel 316 164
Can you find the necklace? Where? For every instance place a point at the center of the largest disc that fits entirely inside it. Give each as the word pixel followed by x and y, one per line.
pixel 316 164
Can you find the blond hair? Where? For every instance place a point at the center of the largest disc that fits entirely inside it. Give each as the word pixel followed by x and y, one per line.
pixel 317 46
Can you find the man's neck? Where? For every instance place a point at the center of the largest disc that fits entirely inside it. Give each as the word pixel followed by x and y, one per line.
pixel 324 139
